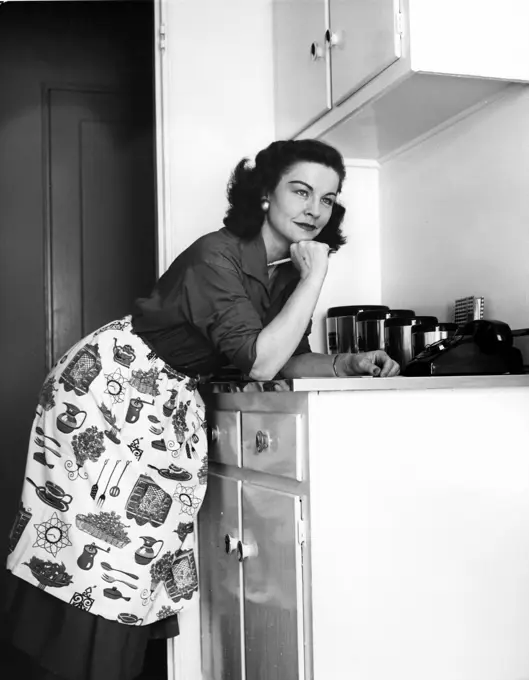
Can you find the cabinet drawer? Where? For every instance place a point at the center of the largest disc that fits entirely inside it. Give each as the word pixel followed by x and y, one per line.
pixel 225 437
pixel 272 443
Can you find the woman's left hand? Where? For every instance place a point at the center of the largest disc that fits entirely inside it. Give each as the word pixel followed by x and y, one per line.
pixel 376 363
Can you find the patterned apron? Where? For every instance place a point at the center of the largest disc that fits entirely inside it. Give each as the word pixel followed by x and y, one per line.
pixel 115 475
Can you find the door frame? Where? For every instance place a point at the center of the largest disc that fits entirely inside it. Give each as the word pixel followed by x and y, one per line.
pixel 184 654
pixel 164 234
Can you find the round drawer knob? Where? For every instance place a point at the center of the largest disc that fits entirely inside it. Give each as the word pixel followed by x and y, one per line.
pixel 246 550
pixel 214 433
pixel 230 544
pixel 262 441
pixel 316 51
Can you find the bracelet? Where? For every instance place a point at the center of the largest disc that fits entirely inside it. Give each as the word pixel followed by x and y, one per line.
pixel 334 365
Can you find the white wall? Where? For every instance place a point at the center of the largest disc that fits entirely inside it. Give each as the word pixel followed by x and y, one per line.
pixel 455 216
pixel 218 71
pixel 354 271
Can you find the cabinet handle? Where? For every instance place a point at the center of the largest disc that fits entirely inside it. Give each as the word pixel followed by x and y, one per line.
pixel 332 39
pixel 214 433
pixel 230 543
pixel 246 550
pixel 316 51
pixel 262 441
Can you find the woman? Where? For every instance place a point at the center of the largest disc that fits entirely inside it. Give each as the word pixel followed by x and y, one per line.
pixel 118 457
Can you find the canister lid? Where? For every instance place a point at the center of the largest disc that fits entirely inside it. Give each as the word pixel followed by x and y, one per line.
pixel 352 310
pixel 425 328
pixel 397 321
pixel 432 327
pixel 425 320
pixel 401 313
pixel 371 315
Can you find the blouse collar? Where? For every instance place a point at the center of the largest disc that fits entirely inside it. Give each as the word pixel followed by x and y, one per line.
pixel 254 262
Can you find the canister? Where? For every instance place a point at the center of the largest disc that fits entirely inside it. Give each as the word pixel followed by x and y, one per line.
pixel 398 336
pixel 370 327
pixel 423 335
pixel 341 327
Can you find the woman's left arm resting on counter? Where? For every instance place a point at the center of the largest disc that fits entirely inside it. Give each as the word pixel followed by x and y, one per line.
pixel 313 365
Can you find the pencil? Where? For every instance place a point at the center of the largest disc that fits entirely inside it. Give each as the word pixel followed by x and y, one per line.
pixel 272 264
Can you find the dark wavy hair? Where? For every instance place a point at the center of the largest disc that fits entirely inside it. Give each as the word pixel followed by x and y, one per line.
pixel 248 184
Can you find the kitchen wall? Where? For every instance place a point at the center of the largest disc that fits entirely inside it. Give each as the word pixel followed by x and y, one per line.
pixel 455 216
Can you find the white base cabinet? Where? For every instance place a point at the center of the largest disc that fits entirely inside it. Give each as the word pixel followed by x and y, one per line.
pixel 402 552
pixel 251 542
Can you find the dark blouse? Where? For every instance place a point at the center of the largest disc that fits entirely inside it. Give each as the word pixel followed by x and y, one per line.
pixel 208 308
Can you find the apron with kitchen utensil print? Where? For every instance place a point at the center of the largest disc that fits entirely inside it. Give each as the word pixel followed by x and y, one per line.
pixel 115 475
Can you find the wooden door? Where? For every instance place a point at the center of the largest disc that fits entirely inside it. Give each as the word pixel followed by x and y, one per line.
pixel 48 48
pixel 101 209
pixel 220 581
pixel 300 77
pixel 273 585
pixel 366 42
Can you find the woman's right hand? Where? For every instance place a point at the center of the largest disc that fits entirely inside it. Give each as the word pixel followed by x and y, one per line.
pixel 311 259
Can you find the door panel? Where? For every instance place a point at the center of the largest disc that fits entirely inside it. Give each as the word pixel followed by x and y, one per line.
pixel 220 581
pixel 116 214
pixel 273 585
pixel 300 81
pixel 366 45
pixel 101 212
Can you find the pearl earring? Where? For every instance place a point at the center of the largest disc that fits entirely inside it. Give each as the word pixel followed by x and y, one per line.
pixel 265 204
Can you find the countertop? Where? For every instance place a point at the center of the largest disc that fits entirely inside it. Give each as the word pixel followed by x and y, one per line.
pixel 350 384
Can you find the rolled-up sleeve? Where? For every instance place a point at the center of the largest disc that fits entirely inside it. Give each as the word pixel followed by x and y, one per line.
pixel 217 305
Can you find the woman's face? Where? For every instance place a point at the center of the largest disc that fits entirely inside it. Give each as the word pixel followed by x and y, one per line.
pixel 301 204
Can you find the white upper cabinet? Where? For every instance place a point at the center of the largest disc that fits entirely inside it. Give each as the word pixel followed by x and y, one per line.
pixel 364 39
pixel 483 38
pixel 302 91
pixel 395 69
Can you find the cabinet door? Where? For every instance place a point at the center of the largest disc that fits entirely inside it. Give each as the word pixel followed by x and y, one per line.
pixel 220 581
pixel 273 585
pixel 364 33
pixel 300 78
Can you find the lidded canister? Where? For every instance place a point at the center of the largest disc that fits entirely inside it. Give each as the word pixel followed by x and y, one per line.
pixel 398 336
pixel 370 327
pixel 341 327
pixel 424 335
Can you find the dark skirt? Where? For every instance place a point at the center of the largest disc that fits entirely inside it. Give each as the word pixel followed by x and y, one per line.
pixel 73 644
